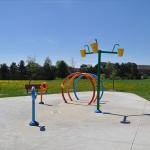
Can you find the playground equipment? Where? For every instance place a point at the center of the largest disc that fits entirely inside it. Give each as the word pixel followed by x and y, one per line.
pixel 97 50
pixel 34 95
pixel 72 81
pixel 40 89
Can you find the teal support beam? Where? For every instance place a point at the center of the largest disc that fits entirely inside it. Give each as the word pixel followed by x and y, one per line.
pixel 99 76
pixel 108 52
pixel 98 82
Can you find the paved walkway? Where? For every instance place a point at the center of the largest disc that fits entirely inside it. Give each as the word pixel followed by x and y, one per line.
pixel 75 126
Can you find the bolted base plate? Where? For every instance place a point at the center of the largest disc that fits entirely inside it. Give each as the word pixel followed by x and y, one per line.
pixel 98 111
pixel 33 123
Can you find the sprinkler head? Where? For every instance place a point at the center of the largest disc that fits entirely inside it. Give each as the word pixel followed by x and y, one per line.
pixel 42 128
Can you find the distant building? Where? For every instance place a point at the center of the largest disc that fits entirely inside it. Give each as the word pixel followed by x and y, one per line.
pixel 144 69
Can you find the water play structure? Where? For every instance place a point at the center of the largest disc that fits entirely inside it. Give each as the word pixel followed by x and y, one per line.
pixel 71 80
pixel 96 50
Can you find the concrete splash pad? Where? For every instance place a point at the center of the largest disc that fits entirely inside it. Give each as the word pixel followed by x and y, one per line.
pixel 76 126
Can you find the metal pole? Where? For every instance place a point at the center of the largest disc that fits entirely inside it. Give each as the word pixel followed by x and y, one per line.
pixel 33 122
pixel 33 105
pixel 113 84
pixel 98 82
pixel 41 98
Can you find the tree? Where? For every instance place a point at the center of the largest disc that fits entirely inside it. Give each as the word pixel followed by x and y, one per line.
pixel 13 71
pixel 49 71
pixel 126 71
pixel 72 67
pixel 4 71
pixel 134 71
pixel 33 70
pixel 113 76
pixel 117 70
pixel 102 69
pixel 22 70
pixel 86 68
pixel 48 61
pixel 62 69
pixel 53 73
pixel 108 69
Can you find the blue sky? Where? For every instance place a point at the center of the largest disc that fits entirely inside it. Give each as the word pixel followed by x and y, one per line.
pixel 60 28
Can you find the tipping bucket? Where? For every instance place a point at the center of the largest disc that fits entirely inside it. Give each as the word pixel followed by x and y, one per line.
pixel 83 52
pixel 94 47
pixel 120 52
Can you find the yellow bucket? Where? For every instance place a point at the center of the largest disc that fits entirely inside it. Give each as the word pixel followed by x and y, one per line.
pixel 94 47
pixel 120 52
pixel 83 52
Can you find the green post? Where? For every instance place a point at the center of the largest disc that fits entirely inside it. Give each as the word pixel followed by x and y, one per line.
pixel 98 82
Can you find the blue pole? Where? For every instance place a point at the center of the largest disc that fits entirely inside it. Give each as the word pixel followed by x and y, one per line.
pixel 34 94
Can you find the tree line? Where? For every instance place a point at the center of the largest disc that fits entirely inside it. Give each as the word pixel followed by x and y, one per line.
pixel 114 70
pixel 34 71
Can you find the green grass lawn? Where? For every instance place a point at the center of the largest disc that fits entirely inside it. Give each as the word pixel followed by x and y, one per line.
pixel 16 87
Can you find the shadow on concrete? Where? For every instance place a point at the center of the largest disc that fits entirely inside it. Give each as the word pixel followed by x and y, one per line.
pixel 124 120
pixel 47 104
pixel 85 103
pixel 134 115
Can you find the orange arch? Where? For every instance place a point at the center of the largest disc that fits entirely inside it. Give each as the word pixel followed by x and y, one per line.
pixel 69 81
